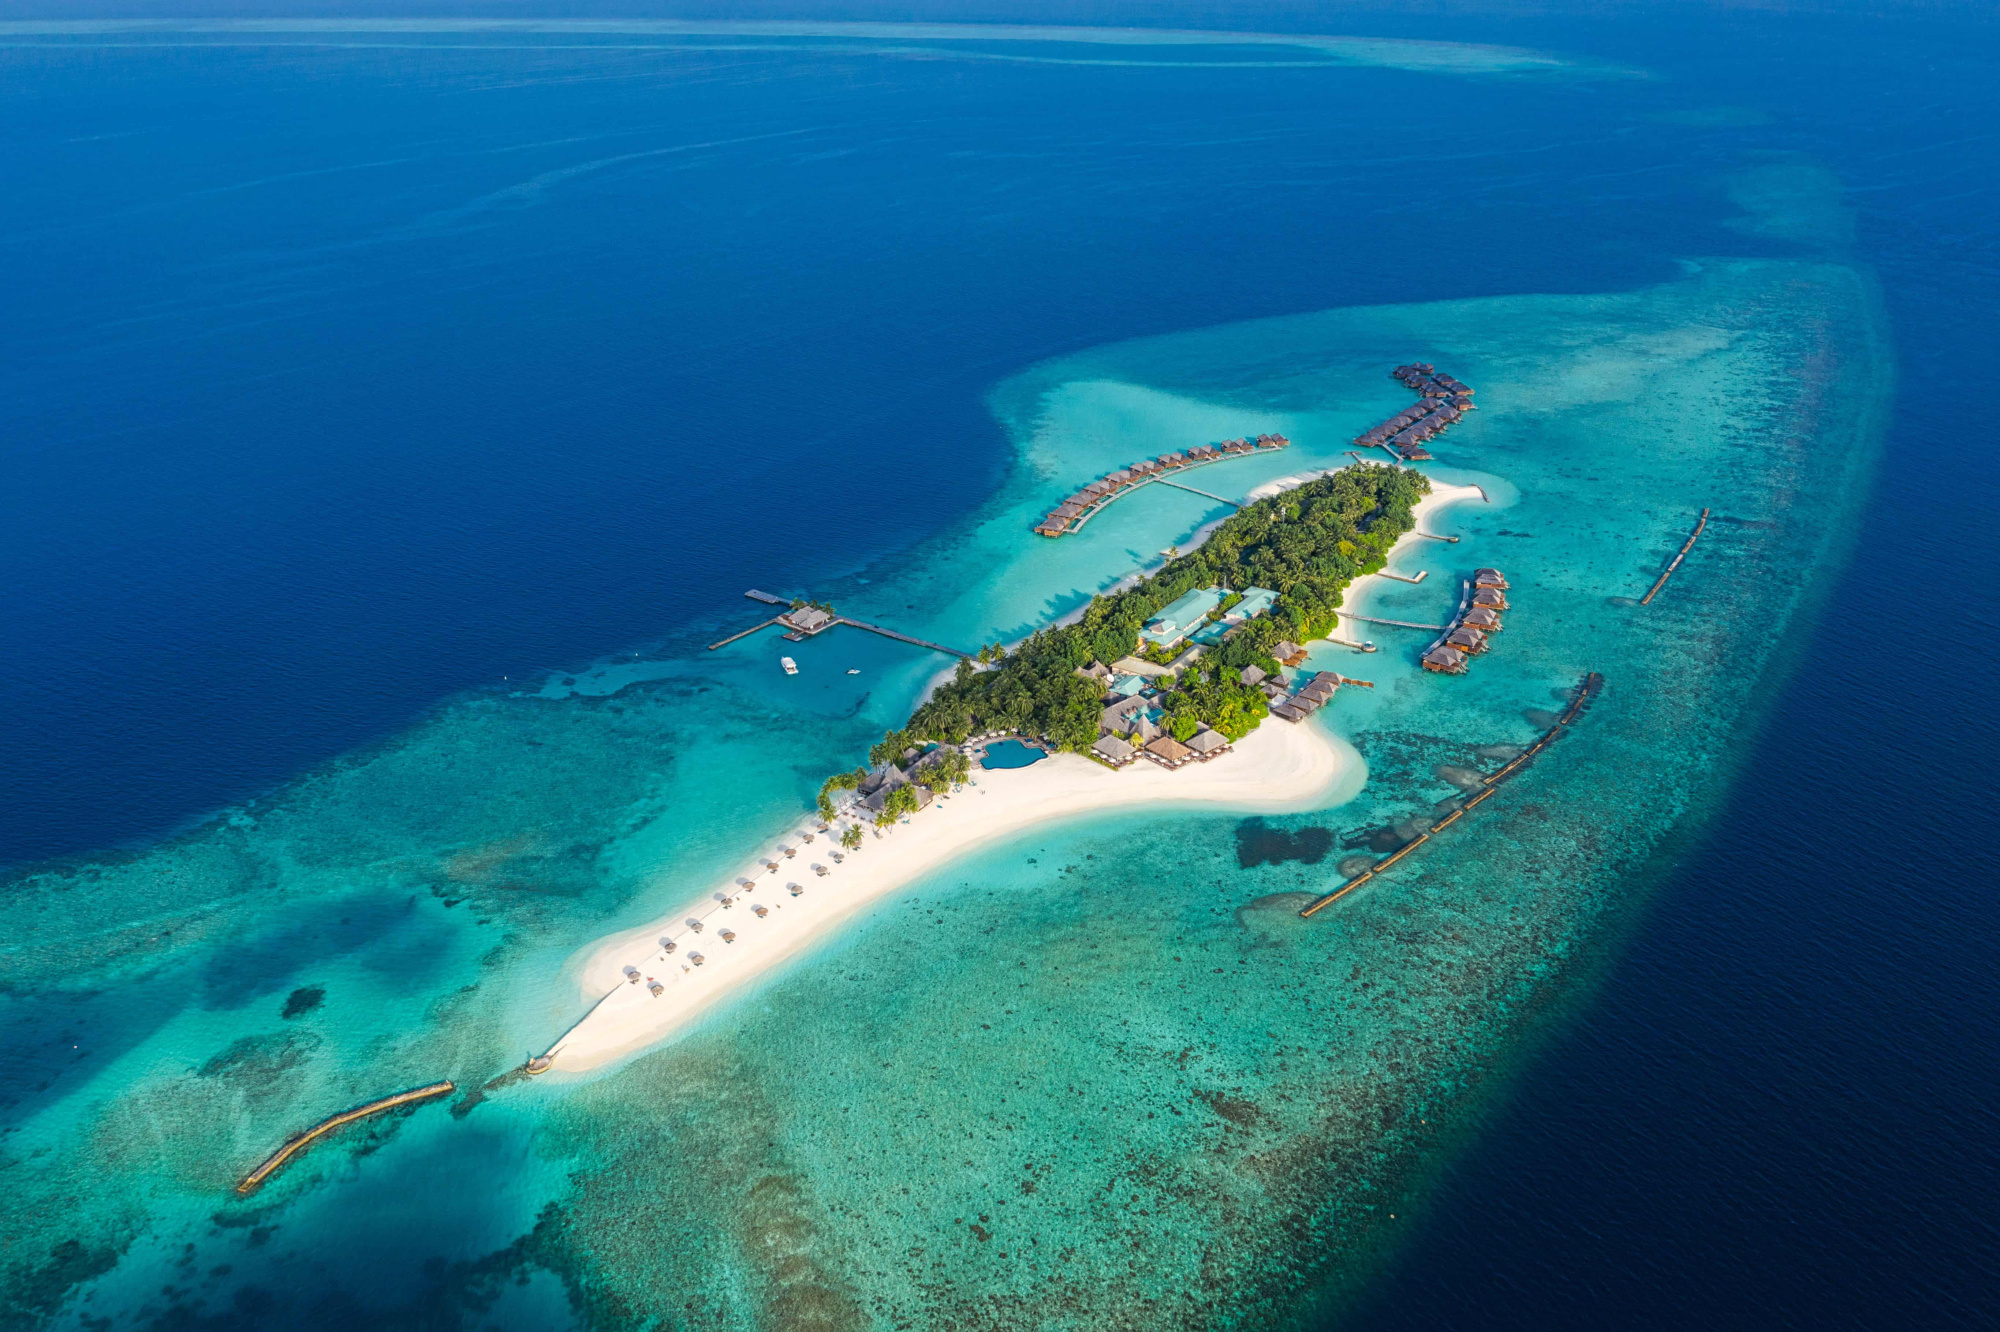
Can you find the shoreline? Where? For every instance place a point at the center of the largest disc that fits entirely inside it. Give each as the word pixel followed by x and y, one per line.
pixel 1274 769
pixel 1443 496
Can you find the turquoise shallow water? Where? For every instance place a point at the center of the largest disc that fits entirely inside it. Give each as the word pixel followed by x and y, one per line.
pixel 1098 1076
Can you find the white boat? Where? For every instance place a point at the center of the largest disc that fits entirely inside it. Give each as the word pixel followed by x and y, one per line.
pixel 854 670
pixel 791 667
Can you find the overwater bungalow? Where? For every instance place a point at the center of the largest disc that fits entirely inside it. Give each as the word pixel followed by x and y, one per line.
pixel 1466 639
pixel 1445 661
pixel 1286 712
pixel 1272 441
pixel 1288 652
pixel 1484 619
pixel 1169 461
pixel 1489 578
pixel 1490 597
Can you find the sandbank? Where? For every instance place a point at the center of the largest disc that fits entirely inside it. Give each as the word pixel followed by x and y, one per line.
pixel 1277 768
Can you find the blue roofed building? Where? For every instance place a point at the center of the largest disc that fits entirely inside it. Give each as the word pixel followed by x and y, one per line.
pixel 1256 601
pixel 1182 617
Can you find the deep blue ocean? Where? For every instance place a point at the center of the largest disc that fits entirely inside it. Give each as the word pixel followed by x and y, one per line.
pixel 345 379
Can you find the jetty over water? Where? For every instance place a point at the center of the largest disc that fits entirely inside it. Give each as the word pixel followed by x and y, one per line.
pixel 1080 508
pixel 1584 692
pixel 1668 572
pixel 1442 403
pixel 293 1146
pixel 806 620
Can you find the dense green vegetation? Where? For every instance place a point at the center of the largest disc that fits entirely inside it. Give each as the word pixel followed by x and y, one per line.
pixel 1306 544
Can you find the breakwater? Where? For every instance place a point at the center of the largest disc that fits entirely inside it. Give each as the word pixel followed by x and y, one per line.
pixel 1442 403
pixel 1087 503
pixel 293 1146
pixel 1490 785
pixel 1668 572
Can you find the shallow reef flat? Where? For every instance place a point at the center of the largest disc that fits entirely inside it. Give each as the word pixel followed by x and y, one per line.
pixel 1106 1076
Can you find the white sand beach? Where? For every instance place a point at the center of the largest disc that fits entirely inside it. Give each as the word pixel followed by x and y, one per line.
pixel 1442 496
pixel 1276 768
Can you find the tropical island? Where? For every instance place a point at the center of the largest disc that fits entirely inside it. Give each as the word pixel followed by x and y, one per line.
pixel 1293 555
pixel 1195 649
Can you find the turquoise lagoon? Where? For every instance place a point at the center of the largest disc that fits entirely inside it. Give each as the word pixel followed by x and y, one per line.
pixel 1102 1075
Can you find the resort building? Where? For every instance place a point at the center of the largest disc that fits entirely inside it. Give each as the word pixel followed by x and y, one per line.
pixel 1114 751
pixel 1207 743
pixel 1182 616
pixel 1168 752
pixel 1256 601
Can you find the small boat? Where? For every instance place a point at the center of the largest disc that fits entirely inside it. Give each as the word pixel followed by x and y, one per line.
pixel 791 667
pixel 854 670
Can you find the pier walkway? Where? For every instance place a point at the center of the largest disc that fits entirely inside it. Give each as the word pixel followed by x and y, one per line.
pixel 1108 500
pixel 1400 624
pixel 294 1146
pixel 1162 481
pixel 1584 693
pixel 901 638
pixel 1686 546
pixel 824 625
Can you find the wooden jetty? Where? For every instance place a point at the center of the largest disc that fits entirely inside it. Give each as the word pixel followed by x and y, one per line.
pixel 745 634
pixel 901 638
pixel 1074 513
pixel 1686 546
pixel 293 1146
pixel 1219 499
pixel 1421 575
pixel 1400 624
pixel 1491 784
pixel 800 634
pixel 1430 537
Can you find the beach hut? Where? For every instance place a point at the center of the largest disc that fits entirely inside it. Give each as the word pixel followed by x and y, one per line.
pixel 1251 675
pixel 1445 661
pixel 1168 752
pixel 1206 744
pixel 1113 750
pixel 1287 712
pixel 1288 652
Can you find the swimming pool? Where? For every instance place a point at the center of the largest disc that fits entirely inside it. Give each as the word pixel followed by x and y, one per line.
pixel 1010 754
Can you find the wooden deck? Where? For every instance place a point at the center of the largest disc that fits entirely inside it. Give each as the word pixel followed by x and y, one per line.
pixel 1686 546
pixel 1585 691
pixel 304 1140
